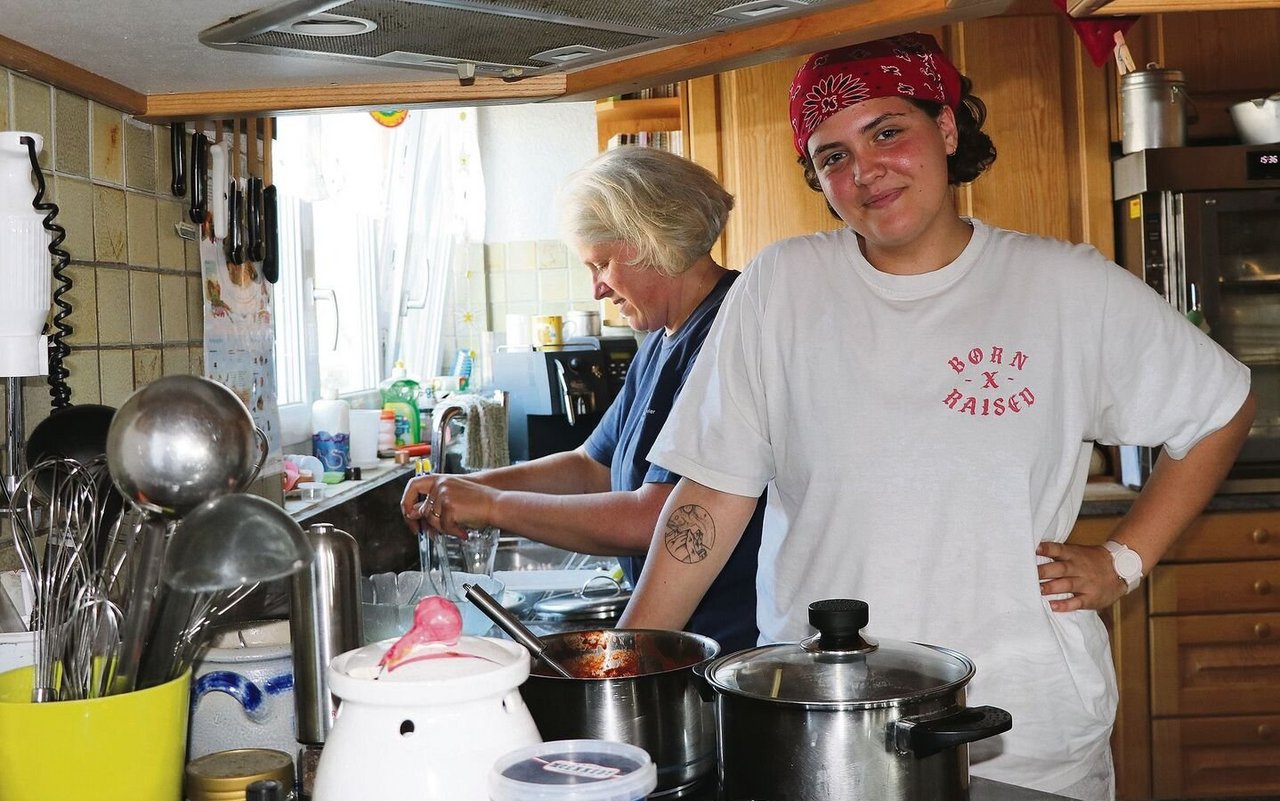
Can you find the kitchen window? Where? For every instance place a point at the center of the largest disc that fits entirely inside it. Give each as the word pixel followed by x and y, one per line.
pixel 371 219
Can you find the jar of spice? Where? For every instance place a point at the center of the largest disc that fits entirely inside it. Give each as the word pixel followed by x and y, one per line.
pixel 226 775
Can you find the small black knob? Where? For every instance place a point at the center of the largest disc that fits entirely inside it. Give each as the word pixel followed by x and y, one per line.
pixel 839 620
pixel 265 790
pixel 575 363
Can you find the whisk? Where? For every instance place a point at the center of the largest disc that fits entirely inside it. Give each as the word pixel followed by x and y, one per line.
pixel 59 501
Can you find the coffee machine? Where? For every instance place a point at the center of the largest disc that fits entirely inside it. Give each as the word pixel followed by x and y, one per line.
pixel 556 397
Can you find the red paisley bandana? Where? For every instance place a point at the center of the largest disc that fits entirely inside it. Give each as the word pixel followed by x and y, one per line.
pixel 911 65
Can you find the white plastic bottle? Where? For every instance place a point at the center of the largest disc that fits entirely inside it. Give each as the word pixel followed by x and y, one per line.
pixel 331 431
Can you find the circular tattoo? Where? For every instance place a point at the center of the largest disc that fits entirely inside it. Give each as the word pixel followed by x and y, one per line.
pixel 690 534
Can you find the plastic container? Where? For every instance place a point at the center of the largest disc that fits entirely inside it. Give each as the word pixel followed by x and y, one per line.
pixel 331 431
pixel 573 770
pixel 118 748
pixel 400 395
pixel 364 436
pixel 387 431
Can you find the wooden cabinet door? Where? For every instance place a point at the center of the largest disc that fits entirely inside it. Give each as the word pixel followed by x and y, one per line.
pixel 1200 757
pixel 1216 587
pixel 759 163
pixel 1215 664
pixel 1228 536
pixel 1047 114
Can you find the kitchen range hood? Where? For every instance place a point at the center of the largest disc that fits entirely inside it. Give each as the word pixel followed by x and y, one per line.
pixel 507 39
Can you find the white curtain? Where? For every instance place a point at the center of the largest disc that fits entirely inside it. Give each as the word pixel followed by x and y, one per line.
pixel 435 208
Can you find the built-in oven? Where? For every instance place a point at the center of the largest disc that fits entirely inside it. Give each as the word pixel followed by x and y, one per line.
pixel 1201 225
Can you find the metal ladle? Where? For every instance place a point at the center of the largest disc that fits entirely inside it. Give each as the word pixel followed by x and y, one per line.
pixel 174 444
pixel 508 623
pixel 222 546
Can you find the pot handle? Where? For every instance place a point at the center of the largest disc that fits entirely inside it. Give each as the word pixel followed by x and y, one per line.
pixel 702 683
pixel 927 736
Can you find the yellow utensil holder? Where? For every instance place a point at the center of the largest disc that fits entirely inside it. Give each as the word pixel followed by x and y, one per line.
pixel 118 748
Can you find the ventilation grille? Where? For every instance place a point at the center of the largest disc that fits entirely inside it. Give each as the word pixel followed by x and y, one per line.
pixel 500 37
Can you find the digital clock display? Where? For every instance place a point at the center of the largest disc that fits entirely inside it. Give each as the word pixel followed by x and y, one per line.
pixel 1262 165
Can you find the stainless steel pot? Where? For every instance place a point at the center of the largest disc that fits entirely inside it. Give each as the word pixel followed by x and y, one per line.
pixel 648 695
pixel 843 718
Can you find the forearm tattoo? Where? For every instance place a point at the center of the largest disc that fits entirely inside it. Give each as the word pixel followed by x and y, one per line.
pixel 690 534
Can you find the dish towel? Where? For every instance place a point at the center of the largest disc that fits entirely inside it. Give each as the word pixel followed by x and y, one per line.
pixel 484 438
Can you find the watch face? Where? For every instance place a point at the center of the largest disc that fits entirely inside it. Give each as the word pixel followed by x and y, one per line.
pixel 1128 564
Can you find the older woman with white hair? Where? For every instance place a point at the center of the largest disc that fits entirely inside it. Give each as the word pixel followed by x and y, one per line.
pixel 643 221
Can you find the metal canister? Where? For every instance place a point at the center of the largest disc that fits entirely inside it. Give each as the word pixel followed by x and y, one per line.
pixel 1154 108
pixel 324 621
pixel 226 775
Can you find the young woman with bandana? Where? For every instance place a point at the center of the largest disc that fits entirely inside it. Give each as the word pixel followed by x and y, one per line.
pixel 920 392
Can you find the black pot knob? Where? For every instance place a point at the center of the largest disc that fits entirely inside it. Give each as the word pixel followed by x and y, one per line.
pixel 839 621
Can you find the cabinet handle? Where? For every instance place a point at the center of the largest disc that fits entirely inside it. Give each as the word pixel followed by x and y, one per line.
pixel 1265 731
pixel 1263 630
pixel 1262 587
pixel 1261 536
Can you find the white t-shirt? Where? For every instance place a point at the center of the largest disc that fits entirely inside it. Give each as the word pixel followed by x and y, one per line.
pixel 919 435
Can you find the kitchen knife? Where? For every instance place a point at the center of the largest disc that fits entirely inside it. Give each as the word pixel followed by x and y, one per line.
pixel 270 209
pixel 178 158
pixel 199 178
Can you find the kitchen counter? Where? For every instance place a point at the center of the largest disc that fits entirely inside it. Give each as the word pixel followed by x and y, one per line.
pixel 1102 499
pixel 979 790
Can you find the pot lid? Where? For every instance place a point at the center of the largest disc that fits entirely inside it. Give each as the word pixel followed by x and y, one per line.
pixel 592 602
pixel 840 665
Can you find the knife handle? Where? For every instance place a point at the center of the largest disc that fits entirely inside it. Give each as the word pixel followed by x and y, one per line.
pixel 178 158
pixel 270 234
pixel 199 178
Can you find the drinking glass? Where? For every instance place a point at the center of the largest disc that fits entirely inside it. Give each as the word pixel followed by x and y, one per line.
pixel 479 550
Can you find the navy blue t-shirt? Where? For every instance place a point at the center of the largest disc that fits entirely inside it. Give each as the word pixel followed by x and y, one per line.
pixel 622 441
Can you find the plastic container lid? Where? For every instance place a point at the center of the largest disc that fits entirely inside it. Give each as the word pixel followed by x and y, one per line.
pixel 573 770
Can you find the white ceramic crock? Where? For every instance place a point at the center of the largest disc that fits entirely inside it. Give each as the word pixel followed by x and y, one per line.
pixel 431 729
pixel 242 692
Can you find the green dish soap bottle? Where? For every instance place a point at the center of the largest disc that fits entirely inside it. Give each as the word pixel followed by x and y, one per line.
pixel 400 395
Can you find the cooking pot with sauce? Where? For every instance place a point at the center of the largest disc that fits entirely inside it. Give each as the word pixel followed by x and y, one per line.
pixel 639 687
pixel 842 717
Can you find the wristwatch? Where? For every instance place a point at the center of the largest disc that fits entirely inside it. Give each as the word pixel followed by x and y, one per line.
pixel 1127 562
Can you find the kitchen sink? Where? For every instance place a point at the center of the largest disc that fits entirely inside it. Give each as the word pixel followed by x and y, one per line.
pixel 518 553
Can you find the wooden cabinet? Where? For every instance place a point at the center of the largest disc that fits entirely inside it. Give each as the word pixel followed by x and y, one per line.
pixel 1215 659
pixel 1202 715
pixel 1080 8
pixel 1048 115
pixel 1226 56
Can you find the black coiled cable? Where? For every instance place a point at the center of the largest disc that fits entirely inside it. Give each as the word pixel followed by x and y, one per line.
pixel 58 347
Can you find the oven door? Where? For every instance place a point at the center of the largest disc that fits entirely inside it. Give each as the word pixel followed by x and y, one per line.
pixel 1230 268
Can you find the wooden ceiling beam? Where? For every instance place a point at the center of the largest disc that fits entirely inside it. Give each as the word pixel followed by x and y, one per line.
pixel 348 97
